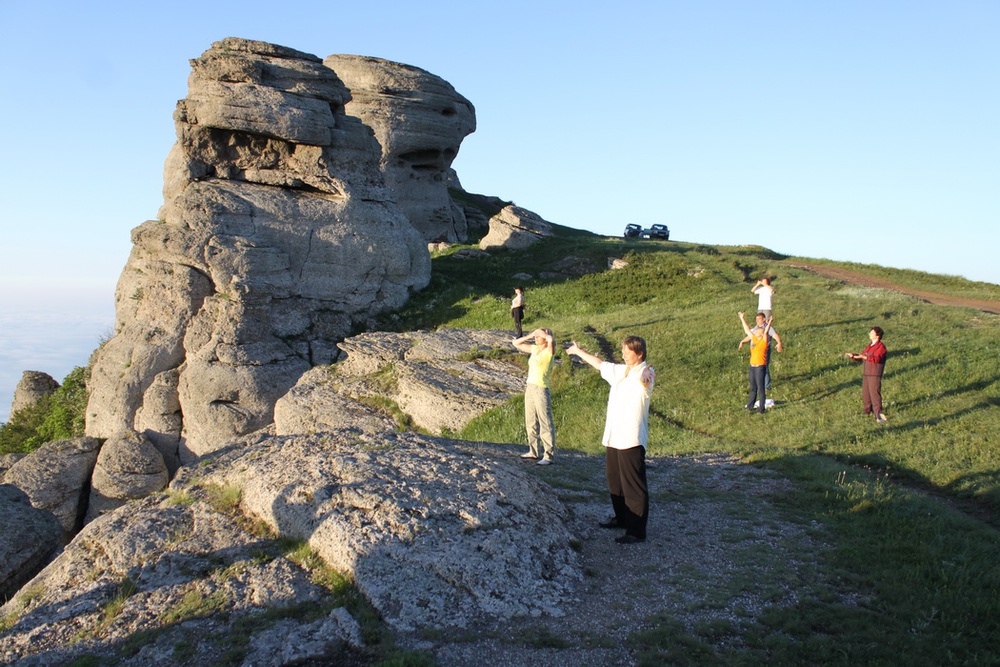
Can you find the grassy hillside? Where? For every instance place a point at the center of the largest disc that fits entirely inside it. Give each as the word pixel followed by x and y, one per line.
pixel 912 503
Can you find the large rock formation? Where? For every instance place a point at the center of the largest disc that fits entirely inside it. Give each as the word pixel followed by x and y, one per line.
pixel 420 121
pixel 433 532
pixel 276 237
pixel 33 387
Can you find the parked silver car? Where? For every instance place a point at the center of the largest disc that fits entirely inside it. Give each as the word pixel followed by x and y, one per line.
pixel 657 232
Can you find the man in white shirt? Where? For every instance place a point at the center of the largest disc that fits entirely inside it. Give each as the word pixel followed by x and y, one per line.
pixel 626 432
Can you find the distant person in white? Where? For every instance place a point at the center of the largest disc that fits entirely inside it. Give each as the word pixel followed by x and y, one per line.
pixel 764 292
pixel 626 432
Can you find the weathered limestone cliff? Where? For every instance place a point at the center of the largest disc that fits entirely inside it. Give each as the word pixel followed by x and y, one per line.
pixel 287 223
pixel 419 120
pixel 434 533
pixel 277 236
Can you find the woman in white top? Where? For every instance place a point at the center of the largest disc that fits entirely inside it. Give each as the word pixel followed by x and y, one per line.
pixel 626 432
pixel 764 292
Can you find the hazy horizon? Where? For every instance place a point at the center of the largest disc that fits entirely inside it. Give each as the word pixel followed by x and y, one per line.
pixel 38 333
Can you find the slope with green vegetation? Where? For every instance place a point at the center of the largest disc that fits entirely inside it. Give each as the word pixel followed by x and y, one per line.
pixel 58 416
pixel 911 504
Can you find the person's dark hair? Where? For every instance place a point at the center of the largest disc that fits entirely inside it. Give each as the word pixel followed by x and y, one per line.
pixel 878 332
pixel 518 289
pixel 637 345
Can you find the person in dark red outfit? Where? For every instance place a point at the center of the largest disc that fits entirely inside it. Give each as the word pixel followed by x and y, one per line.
pixel 871 385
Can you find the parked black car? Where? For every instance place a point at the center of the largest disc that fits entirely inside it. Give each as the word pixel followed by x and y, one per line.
pixel 632 231
pixel 657 232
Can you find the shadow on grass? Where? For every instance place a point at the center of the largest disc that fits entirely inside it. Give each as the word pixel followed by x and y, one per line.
pixel 830 325
pixel 976 387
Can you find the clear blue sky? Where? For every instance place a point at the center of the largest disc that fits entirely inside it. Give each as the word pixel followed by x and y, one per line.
pixel 853 130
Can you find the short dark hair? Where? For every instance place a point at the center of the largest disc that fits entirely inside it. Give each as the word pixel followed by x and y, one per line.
pixel 760 313
pixel 878 332
pixel 637 345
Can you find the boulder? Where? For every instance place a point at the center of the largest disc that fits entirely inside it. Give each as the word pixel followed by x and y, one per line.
pixel 56 477
pixel 29 537
pixel 442 380
pixel 277 237
pixel 128 468
pixel 434 532
pixel 34 386
pixel 515 228
pixel 313 405
pixel 420 121
pixel 182 574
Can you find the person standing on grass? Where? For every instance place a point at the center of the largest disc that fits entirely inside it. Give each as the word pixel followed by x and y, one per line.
pixel 537 397
pixel 758 362
pixel 626 432
pixel 767 358
pixel 873 357
pixel 764 292
pixel 517 310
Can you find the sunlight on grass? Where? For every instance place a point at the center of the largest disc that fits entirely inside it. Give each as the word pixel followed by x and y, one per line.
pixel 928 568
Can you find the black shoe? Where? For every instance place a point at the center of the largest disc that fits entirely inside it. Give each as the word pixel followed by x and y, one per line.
pixel 629 539
pixel 610 523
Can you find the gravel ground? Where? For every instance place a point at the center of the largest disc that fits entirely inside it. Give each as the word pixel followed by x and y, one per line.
pixel 717 549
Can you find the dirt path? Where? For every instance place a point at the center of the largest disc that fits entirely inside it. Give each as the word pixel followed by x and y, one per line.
pixel 852 277
pixel 719 550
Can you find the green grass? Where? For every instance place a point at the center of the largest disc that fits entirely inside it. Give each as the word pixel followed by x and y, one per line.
pixel 912 505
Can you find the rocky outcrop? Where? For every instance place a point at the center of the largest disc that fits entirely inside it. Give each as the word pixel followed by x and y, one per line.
pixel 515 228
pixel 441 380
pixel 178 572
pixel 34 386
pixel 127 468
pixel 315 405
pixel 56 478
pixel 434 533
pixel 419 120
pixel 29 538
pixel 8 460
pixel 277 236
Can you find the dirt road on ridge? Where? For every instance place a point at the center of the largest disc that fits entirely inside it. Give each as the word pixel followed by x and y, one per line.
pixel 846 276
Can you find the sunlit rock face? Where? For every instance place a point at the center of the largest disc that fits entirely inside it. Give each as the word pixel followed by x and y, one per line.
pixel 277 236
pixel 420 121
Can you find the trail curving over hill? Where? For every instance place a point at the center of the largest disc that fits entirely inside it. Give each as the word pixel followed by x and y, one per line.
pixel 844 275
